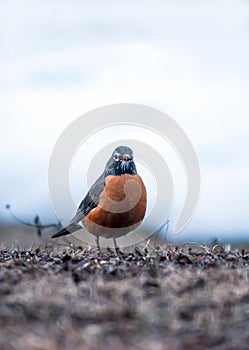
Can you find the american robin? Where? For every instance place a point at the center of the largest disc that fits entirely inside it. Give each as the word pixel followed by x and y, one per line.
pixel 116 202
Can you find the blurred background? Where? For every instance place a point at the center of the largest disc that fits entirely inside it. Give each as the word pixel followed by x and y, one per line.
pixel 60 59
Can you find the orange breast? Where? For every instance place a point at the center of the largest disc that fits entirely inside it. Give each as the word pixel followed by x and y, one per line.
pixel 121 208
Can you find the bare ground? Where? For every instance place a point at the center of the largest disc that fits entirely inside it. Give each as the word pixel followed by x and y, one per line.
pixel 61 297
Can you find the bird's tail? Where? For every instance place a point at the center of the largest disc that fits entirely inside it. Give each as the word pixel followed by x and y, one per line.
pixel 67 230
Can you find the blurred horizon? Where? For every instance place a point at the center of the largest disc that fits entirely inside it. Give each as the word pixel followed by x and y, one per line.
pixel 188 59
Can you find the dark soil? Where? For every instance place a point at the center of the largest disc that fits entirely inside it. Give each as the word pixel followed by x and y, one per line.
pixel 170 298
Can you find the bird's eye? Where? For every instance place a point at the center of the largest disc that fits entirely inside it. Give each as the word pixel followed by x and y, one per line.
pixel 116 157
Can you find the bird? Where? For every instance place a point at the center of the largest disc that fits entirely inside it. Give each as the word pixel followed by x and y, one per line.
pixel 115 204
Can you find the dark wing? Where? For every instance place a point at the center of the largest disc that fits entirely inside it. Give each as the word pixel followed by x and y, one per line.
pixel 90 201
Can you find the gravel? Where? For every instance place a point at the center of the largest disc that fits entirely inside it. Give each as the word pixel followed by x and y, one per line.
pixel 62 297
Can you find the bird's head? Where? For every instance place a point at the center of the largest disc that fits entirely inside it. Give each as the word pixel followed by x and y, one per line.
pixel 121 162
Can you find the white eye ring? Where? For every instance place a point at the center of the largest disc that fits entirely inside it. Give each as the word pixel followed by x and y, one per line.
pixel 116 157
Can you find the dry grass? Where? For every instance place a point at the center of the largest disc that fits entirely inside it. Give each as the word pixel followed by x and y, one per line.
pixel 171 298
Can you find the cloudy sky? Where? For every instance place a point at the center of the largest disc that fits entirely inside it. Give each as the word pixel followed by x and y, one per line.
pixel 60 59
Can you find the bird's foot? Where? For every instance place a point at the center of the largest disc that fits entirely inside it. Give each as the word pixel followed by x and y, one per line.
pixel 117 249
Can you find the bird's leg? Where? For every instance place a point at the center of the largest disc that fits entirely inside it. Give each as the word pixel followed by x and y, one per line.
pixel 97 242
pixel 116 247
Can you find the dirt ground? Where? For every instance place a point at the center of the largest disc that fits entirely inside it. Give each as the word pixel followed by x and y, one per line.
pixel 61 297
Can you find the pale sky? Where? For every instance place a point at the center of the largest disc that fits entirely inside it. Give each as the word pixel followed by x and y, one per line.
pixel 60 59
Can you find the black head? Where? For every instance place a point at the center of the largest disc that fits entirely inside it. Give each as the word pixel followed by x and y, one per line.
pixel 121 162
